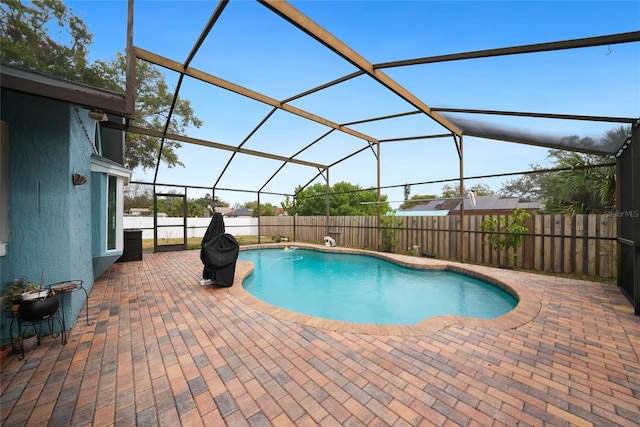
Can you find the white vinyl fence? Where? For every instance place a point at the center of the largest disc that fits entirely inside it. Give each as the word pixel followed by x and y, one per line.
pixel 196 227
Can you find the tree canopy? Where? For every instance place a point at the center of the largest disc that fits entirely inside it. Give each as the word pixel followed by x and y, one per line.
pixel 345 199
pixel 141 196
pixel 25 35
pixel 26 41
pixel 416 199
pixel 266 209
pixel 579 189
pixel 153 101
pixel 453 190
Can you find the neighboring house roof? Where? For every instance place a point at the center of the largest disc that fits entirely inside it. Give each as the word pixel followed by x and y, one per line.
pixel 436 205
pixel 224 211
pixel 242 212
pixel 420 213
pixel 497 202
pixel 137 211
pixel 492 203
pixel 35 83
pixel 234 211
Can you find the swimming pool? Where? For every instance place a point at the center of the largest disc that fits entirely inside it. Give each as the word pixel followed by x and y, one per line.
pixel 365 289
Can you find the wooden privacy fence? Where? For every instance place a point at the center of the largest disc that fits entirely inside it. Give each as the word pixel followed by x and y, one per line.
pixel 579 244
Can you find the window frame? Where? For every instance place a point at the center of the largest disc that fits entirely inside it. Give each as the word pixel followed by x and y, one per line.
pixel 4 187
pixel 121 175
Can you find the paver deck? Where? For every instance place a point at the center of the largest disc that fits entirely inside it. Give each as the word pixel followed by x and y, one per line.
pixel 165 351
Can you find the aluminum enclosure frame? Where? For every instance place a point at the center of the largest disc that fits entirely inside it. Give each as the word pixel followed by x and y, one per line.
pixel 628 216
pixel 446 117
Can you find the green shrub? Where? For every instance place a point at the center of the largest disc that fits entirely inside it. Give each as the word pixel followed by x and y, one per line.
pixel 391 226
pixel 506 234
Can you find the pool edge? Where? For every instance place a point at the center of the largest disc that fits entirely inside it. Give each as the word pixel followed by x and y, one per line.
pixel 526 310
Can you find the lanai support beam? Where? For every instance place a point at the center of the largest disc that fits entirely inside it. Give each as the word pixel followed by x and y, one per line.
pixel 459 145
pixel 635 140
pixel 130 78
pixel 628 216
pixel 210 144
pixel 379 195
pixel 387 117
pixel 630 37
pixel 207 29
pixel 297 18
pixel 194 50
pixel 273 110
pixel 328 201
pixel 415 138
pixel 587 118
pixel 240 90
pixel 259 228
pixel 294 156
pixel 324 86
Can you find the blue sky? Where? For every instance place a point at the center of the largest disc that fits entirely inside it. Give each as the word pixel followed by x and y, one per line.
pixel 254 48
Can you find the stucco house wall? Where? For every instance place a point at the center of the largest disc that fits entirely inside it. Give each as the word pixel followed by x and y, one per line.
pixel 56 228
pixel 50 220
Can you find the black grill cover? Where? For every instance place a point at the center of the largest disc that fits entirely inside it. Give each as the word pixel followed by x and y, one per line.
pixel 219 252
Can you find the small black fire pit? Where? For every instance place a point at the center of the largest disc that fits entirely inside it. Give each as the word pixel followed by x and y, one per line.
pixel 38 309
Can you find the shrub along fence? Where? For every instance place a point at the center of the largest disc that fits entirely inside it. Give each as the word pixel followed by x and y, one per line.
pixel 578 244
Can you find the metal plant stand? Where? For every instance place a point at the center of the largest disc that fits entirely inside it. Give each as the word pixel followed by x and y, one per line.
pixel 26 319
pixel 69 286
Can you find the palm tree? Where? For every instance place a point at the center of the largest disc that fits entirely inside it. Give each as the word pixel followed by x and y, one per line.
pixel 582 189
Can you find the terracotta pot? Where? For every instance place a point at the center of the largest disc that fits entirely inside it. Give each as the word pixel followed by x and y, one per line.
pixel 4 351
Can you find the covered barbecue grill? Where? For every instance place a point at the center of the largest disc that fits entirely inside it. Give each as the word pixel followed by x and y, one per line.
pixel 219 253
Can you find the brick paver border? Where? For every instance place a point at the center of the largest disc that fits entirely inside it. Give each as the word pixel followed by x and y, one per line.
pixel 163 350
pixel 527 308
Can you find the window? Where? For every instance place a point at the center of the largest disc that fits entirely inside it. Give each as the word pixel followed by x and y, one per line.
pixel 112 178
pixel 97 140
pixel 112 212
pixel 4 187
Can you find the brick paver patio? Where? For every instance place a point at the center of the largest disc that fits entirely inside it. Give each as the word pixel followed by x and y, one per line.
pixel 165 351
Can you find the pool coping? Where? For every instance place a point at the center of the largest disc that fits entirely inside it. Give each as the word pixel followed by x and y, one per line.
pixel 527 309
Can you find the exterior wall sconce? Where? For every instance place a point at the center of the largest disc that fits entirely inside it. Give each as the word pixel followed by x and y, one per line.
pixel 98 115
pixel 79 179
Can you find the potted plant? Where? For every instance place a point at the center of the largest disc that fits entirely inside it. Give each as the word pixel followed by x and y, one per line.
pixel 28 300
pixel 33 291
pixel 11 296
pixel 27 341
pixel 506 234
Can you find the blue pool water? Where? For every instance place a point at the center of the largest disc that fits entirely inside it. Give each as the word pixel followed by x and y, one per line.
pixel 363 289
